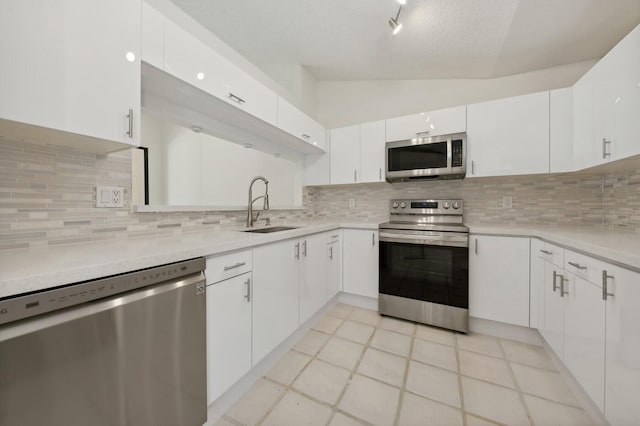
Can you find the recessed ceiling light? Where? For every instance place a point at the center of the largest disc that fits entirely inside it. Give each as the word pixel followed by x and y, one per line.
pixel 130 56
pixel 200 76
pixel 402 2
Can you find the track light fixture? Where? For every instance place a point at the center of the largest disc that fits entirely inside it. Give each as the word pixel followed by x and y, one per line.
pixel 393 22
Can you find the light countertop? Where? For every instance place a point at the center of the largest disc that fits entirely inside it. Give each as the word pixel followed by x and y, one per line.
pixel 26 270
pixel 613 245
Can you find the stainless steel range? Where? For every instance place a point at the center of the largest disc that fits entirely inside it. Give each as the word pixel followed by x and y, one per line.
pixel 424 263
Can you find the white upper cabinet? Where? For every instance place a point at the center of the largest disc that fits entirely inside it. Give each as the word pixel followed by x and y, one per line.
pixel 357 153
pixel 73 66
pixel 345 154
pixel 606 106
pixel 434 123
pixel 298 124
pixel 561 130
pixel 152 38
pixel 191 60
pixel 372 151
pixel 508 136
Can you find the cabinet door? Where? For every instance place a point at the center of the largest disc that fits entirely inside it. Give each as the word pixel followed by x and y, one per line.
pixel 152 38
pixel 584 328
pixel 372 151
pixel 228 333
pixel 406 127
pixel 313 275
pixel 508 136
pixel 560 130
pixel 554 307
pixel 360 262
pixel 617 99
pixel 275 296
pixel 72 65
pixel 298 124
pixel 536 284
pixel 584 149
pixel 345 155
pixel 334 285
pixel 499 279
pixel 622 381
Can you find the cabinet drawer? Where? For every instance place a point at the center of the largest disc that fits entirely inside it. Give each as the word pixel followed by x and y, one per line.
pixel 229 265
pixel 553 254
pixel 585 267
pixel 333 236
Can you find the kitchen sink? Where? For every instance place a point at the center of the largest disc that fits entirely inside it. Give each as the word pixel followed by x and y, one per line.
pixel 272 229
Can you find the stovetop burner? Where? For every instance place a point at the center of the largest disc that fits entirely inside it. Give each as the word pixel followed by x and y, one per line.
pixel 426 215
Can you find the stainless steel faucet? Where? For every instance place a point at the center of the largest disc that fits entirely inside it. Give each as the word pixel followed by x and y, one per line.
pixel 250 218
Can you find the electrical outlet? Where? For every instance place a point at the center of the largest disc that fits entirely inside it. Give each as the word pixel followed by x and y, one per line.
pixel 109 196
pixel 352 203
pixel 507 202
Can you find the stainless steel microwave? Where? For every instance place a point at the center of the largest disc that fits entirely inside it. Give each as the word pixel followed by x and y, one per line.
pixel 436 157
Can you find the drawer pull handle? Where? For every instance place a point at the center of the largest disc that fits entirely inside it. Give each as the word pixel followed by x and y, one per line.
pixel 236 98
pixel 546 252
pixel 577 265
pixel 237 265
pixel 306 136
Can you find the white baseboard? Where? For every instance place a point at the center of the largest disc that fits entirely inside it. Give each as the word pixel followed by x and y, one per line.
pixel 242 386
pixel 505 331
pixel 359 301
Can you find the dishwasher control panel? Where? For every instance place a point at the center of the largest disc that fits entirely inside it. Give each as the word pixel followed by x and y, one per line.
pixel 37 303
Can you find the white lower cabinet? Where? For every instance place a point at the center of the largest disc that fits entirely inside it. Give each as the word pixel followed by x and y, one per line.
pixel 554 309
pixel 622 380
pixel 275 296
pixel 360 262
pixel 584 328
pixel 313 270
pixel 228 333
pixel 499 279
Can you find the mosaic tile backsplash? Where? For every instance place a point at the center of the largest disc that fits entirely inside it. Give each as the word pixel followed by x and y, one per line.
pixel 47 197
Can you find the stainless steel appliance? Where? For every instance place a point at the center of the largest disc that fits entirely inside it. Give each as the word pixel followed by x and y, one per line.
pixel 124 350
pixel 424 263
pixel 437 157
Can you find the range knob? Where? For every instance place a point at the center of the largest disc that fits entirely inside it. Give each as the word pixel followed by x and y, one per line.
pixel 395 205
pixel 456 205
pixel 403 204
pixel 445 205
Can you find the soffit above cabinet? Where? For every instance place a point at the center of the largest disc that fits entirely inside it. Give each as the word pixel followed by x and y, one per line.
pixel 172 99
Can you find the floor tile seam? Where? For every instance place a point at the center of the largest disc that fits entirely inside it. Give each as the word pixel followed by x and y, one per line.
pixel 578 406
pixel 502 357
pixel 433 341
pixel 289 387
pixel 230 420
pixel 274 404
pixel 355 368
pixel 486 419
pixel 517 385
pixel 395 331
pixel 363 322
pixel 351 416
pixel 408 356
pixel 407 391
pixel 460 392
pixel 435 366
pixel 547 370
pixel 405 376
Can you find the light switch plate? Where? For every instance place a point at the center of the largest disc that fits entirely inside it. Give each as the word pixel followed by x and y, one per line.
pixel 109 196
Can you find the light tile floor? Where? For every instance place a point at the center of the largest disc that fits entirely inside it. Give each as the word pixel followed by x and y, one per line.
pixel 358 368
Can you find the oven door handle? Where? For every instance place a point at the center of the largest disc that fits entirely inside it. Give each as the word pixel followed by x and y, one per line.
pixel 423 240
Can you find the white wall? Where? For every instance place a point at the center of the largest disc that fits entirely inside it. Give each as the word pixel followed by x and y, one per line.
pixel 196 169
pixel 342 103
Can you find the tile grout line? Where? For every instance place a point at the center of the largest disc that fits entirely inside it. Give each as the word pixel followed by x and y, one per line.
pixel 406 376
pixel 355 368
pixel 515 382
pixel 460 391
pixel 289 387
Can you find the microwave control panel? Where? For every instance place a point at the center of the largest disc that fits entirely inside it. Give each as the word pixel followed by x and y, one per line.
pixel 456 153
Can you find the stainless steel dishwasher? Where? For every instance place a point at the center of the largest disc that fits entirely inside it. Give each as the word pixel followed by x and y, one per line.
pixel 124 350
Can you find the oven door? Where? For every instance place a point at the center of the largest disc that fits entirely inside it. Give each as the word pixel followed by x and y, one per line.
pixel 426 266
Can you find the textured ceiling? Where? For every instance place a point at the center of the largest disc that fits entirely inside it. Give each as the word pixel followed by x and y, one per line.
pixel 350 40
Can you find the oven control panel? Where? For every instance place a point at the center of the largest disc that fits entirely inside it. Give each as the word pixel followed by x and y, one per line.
pixel 430 207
